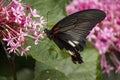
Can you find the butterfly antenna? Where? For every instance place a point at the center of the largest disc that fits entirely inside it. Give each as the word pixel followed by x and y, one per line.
pixel 47 18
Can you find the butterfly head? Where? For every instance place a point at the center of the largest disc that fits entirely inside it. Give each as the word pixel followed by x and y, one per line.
pixel 47 32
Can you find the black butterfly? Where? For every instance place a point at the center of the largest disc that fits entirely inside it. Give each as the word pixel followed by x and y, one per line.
pixel 71 32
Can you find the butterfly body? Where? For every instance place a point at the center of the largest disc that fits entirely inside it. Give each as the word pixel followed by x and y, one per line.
pixel 71 32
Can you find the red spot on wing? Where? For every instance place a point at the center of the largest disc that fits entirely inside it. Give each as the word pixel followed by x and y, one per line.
pixel 55 30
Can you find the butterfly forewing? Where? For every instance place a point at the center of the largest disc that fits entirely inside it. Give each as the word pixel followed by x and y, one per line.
pixel 80 17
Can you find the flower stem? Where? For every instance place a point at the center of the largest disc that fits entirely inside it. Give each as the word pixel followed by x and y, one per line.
pixel 11 59
pixel 12 63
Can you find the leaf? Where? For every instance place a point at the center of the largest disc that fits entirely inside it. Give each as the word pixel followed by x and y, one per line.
pixel 51 74
pixel 46 52
pixel 99 70
pixel 40 67
pixel 25 74
pixel 85 71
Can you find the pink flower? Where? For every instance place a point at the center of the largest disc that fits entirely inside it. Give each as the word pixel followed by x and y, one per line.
pixel 24 50
pixel 9 39
pixel 34 13
pixel 5 12
pixel 14 47
pixel 18 23
pixel 41 21
pixel 27 7
pixel 106 35
pixel 37 38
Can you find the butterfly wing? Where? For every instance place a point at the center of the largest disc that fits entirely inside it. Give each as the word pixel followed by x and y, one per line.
pixel 70 33
pixel 80 17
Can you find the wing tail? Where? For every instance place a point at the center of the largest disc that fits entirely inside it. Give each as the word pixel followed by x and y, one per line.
pixel 76 58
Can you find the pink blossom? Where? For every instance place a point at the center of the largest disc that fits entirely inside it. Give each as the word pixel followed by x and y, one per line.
pixel 37 38
pixel 41 21
pixel 5 12
pixel 9 39
pixel 106 35
pixel 24 50
pixel 14 47
pixel 18 23
pixel 34 13
pixel 27 7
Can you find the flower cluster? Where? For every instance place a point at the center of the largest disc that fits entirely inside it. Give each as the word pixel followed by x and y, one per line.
pixel 106 35
pixel 18 22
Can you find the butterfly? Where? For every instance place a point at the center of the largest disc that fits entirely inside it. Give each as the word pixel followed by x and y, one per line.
pixel 71 32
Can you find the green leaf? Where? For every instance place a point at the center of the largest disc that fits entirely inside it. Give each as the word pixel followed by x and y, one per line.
pixel 25 74
pixel 85 71
pixel 40 67
pixel 47 52
pixel 99 70
pixel 51 74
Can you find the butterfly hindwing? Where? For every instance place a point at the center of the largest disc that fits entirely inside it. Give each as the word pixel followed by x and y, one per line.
pixel 73 52
pixel 71 32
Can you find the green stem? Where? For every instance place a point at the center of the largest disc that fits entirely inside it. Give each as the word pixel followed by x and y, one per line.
pixel 12 63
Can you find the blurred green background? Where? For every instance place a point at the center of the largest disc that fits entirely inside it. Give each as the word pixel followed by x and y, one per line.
pixel 45 61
